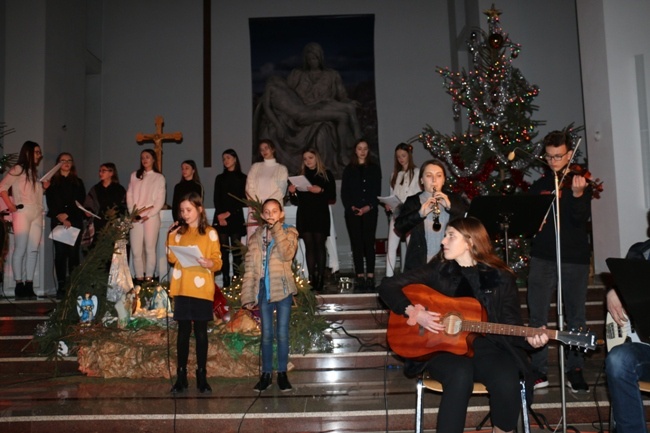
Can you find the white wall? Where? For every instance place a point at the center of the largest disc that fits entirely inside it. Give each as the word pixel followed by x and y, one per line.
pixel 614 32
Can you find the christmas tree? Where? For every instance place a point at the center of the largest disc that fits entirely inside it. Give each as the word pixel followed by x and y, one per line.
pixel 498 102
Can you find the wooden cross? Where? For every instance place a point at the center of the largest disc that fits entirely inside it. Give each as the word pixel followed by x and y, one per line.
pixel 158 139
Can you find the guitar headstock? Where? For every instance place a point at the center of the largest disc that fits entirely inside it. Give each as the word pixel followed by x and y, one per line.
pixel 583 339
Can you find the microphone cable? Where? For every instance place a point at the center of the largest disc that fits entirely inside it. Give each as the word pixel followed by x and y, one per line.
pixel 259 393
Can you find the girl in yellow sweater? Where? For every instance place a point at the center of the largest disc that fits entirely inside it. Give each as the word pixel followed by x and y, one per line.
pixel 193 287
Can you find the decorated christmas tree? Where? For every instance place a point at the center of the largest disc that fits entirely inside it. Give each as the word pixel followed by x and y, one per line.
pixel 498 103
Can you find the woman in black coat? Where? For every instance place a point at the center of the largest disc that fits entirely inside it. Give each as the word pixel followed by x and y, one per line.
pixel 65 189
pixel 468 267
pixel 360 187
pixel 190 182
pixel 418 214
pixel 229 191
pixel 313 216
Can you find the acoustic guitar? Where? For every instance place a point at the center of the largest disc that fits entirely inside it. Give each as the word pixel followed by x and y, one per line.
pixel 464 319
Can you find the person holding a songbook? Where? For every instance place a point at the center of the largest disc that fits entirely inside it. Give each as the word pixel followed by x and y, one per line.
pixel 26 210
pixel 65 191
pixel 268 285
pixel 192 287
pixel 468 267
pixel 424 216
pixel 107 198
pixel 403 184
pixel 313 215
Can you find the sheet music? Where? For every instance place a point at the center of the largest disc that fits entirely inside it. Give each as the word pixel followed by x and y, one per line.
pixel 86 210
pixel 187 256
pixel 47 176
pixel 392 200
pixel 300 182
pixel 66 235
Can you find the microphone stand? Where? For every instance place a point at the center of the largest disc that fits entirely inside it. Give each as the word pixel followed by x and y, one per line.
pixel 558 256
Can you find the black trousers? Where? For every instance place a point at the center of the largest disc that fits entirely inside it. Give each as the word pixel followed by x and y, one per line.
pixel 492 366
pixel 361 230
pixel 66 258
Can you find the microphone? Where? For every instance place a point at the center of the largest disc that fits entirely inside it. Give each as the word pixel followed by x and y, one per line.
pixel 512 155
pixel 174 227
pixel 6 212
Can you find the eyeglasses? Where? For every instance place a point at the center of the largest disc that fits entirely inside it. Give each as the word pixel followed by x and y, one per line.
pixel 554 157
pixel 65 160
pixel 103 170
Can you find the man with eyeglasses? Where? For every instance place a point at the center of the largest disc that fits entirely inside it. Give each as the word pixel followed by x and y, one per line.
pixel 575 252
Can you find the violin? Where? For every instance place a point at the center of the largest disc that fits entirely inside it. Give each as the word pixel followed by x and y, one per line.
pixel 576 169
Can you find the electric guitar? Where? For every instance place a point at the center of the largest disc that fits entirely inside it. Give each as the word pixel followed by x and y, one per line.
pixel 464 319
pixel 615 335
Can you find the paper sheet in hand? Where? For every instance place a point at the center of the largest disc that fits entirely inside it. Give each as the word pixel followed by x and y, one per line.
pixel 86 210
pixel 47 176
pixel 187 256
pixel 300 182
pixel 67 236
pixel 391 201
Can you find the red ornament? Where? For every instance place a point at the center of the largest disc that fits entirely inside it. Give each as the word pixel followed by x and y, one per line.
pixel 496 41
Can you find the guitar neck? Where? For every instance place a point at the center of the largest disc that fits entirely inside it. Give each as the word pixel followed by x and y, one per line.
pixel 504 329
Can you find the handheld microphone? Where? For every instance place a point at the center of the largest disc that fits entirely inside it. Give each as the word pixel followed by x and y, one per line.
pixel 174 227
pixel 6 212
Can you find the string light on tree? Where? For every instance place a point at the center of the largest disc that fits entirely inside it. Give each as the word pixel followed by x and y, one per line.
pixel 498 104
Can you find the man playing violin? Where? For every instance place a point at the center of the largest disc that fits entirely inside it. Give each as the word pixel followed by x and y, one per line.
pixel 575 213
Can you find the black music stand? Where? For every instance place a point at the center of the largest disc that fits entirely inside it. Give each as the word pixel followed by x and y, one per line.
pixel 518 215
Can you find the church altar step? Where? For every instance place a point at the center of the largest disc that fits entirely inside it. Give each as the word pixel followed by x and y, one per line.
pixel 355 388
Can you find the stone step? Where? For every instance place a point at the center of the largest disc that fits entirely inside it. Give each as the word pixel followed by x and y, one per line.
pixel 361 400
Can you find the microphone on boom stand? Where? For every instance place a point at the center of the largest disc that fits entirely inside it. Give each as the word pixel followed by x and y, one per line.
pixel 512 155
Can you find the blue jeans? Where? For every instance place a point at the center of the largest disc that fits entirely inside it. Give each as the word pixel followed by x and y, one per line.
pixel 281 330
pixel 542 282
pixel 625 365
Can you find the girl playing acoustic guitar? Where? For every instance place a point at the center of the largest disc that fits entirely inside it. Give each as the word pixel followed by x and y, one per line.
pixel 467 267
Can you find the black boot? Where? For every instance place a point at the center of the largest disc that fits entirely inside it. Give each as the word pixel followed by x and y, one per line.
pixel 321 282
pixel 19 291
pixel 283 381
pixel 181 380
pixel 313 281
pixel 202 381
pixel 29 290
pixel 370 284
pixel 264 383
pixel 60 291
pixel 360 284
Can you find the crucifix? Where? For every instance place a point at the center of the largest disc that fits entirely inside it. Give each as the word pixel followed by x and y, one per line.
pixel 158 139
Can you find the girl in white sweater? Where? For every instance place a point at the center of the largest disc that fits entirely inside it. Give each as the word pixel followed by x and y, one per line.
pixel 266 179
pixel 403 183
pixel 146 191
pixel 27 216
